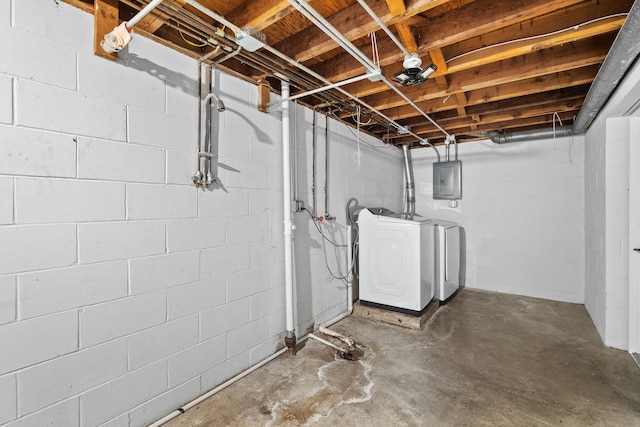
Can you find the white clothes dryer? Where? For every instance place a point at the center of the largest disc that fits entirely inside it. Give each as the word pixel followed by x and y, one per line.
pixel 447 258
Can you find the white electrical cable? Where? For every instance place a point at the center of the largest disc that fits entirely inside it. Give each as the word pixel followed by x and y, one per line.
pixel 553 120
pixel 385 147
pixel 552 33
pixel 374 50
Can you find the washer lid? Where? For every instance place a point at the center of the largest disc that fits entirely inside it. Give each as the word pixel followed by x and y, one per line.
pixel 383 215
pixel 404 219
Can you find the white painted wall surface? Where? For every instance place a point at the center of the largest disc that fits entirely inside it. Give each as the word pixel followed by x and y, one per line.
pixel 607 212
pixel 124 291
pixel 522 211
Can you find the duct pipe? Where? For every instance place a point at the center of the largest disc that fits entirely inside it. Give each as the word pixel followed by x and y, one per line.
pixel 290 338
pixel 528 135
pixel 623 52
pixel 410 186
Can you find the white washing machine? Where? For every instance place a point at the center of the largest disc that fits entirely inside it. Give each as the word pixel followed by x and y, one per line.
pixel 396 260
pixel 447 258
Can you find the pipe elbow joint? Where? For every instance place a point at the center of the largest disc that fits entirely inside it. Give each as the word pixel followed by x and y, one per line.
pixel 117 39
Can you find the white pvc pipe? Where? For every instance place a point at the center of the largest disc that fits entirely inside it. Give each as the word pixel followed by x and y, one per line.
pixel 328 343
pixel 238 377
pixel 325 330
pixel 307 70
pixel 144 12
pixel 323 88
pixel 288 226
pixel 210 393
pixel 356 53
pixel 312 15
pixel 350 272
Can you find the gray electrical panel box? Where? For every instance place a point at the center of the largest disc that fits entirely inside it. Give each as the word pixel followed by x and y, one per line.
pixel 447 180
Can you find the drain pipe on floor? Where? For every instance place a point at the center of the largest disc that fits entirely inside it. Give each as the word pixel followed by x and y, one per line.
pixel 184 408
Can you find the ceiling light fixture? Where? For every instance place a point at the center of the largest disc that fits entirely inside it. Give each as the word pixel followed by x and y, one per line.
pixel 413 74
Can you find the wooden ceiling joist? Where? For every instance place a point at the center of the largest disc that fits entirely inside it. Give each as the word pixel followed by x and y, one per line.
pixel 501 65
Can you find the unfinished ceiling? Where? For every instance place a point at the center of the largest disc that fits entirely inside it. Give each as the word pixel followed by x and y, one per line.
pixel 502 65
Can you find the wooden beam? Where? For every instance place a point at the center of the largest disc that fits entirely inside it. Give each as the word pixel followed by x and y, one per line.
pixel 462 101
pixel 362 89
pixel 493 93
pixel 353 22
pixel 536 64
pixel 156 19
pixel 436 136
pixel 438 59
pixel 81 5
pixel 561 19
pixel 511 50
pixel 264 92
pixel 406 37
pixel 396 7
pixel 442 82
pixel 570 97
pixel 259 14
pixel 445 30
pixel 105 19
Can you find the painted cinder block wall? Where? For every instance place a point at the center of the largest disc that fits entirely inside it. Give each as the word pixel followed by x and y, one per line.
pixel 607 212
pixel 522 211
pixel 125 291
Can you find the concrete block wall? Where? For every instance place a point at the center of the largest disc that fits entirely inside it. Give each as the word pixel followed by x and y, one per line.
pixel 522 211
pixel 125 291
pixel 376 181
pixel 607 212
pixel 595 224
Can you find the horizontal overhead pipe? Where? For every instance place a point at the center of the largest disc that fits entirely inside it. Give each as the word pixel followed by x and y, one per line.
pixel 323 88
pixel 529 135
pixel 303 7
pixel 623 52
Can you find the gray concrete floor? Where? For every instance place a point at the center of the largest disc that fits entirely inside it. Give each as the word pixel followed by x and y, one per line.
pixel 485 359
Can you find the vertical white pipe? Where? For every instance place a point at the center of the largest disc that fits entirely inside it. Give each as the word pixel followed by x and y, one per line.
pixel 350 268
pixel 286 175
